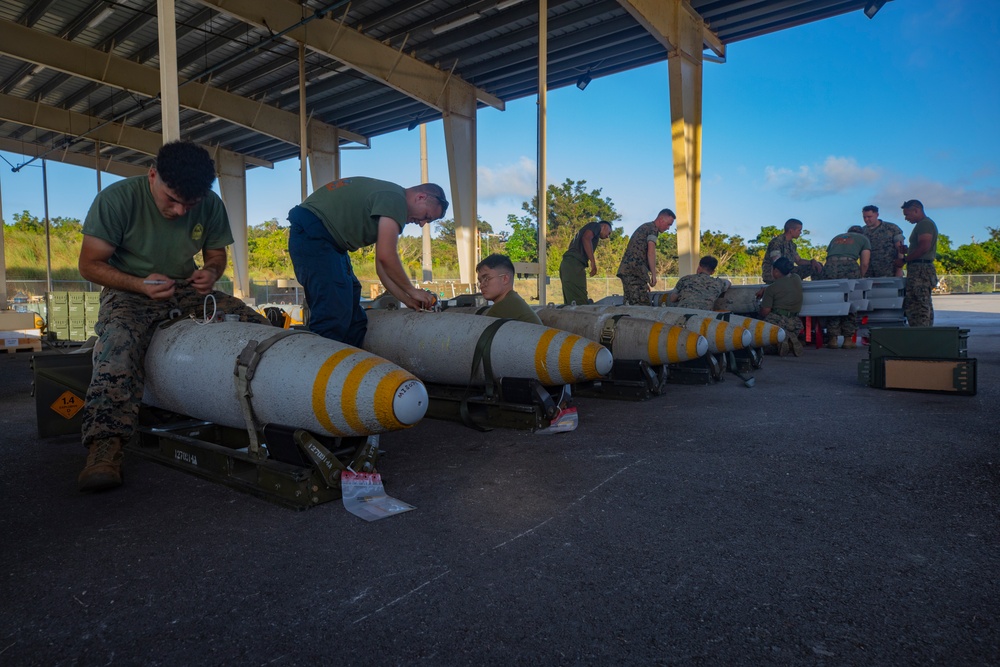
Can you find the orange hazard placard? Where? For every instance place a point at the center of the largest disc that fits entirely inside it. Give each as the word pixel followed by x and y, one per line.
pixel 68 404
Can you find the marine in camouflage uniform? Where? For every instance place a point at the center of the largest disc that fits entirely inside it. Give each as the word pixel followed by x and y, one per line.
pixel 842 261
pixel 140 238
pixel 884 238
pixel 634 270
pixel 783 245
pixel 921 276
pixel 699 290
pixel 124 328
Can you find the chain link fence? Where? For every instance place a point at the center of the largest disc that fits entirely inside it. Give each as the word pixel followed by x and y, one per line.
pixel 29 295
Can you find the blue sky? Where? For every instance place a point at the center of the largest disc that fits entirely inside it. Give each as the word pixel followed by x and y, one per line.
pixel 813 122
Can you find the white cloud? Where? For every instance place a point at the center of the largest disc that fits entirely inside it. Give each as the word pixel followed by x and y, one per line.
pixel 836 174
pixel 508 181
pixel 939 195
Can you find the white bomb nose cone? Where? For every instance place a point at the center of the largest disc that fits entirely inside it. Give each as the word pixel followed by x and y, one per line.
pixel 604 361
pixel 410 402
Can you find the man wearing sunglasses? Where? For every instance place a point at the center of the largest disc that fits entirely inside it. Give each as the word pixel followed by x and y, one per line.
pixel 346 215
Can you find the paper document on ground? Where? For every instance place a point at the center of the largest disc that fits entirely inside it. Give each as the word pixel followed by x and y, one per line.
pixel 365 497
pixel 566 420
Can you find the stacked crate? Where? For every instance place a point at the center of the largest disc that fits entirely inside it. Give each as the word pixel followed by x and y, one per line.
pixel 77 316
pixel 57 314
pixel 92 306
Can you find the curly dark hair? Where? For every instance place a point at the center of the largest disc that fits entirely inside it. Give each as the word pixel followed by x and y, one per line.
pixel 186 168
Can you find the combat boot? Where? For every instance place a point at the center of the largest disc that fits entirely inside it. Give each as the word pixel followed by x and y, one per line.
pixel 849 344
pixel 796 345
pixel 833 344
pixel 104 465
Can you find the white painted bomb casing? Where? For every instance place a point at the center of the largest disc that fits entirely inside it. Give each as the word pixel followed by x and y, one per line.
pixel 740 299
pixel 439 348
pixel 634 338
pixel 302 380
pixel 761 332
pixel 722 336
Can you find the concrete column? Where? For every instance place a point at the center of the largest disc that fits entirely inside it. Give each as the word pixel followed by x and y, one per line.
pixel 233 185
pixel 460 143
pixel 685 69
pixel 324 155
pixel 170 112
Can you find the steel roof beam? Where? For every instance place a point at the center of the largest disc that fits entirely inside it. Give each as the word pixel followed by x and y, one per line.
pixel 390 66
pixel 71 124
pixel 65 56
pixel 655 16
pixel 108 165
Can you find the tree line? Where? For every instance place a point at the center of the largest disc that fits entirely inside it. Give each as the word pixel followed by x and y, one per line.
pixel 570 206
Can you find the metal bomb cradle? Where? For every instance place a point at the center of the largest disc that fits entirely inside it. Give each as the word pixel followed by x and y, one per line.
pixel 337 397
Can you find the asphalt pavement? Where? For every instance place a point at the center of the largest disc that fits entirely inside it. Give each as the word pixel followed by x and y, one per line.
pixel 807 520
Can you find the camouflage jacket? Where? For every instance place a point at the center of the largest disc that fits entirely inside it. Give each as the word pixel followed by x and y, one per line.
pixel 883 239
pixel 778 247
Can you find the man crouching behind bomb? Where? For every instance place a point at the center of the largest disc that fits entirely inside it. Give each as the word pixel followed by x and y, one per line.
pixel 139 241
pixel 781 304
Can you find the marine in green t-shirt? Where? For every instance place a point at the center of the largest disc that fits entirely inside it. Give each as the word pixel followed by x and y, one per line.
pixel 345 215
pixel 580 254
pixel 496 283
pixel 145 239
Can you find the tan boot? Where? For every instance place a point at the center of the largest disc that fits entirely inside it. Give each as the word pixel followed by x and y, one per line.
pixel 104 466
pixel 796 345
pixel 849 344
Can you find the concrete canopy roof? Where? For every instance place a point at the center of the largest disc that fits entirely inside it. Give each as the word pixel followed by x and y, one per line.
pixel 373 66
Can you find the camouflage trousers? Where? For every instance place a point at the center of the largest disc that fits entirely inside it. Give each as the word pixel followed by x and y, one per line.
pixel 636 290
pixel 920 280
pixel 791 325
pixel 839 267
pixel 124 328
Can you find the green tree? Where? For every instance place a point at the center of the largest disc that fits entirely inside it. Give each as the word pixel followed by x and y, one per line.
pixel 446 229
pixel 70 229
pixel 569 207
pixel 25 222
pixel 267 244
pixel 522 244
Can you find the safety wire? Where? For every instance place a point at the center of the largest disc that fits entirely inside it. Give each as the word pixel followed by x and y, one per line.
pixel 204 310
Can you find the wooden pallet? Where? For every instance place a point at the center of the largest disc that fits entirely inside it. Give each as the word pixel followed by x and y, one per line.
pixel 23 345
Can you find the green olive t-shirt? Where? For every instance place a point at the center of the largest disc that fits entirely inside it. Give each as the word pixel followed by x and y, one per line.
pixel 125 215
pixel 350 209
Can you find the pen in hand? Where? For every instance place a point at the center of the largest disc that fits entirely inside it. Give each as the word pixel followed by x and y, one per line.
pixel 154 282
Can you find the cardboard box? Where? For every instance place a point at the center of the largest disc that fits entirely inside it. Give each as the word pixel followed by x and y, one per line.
pixel 11 320
pixel 12 341
pixel 948 375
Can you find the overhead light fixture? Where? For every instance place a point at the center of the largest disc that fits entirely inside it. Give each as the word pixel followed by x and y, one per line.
pixel 871 9
pixel 583 82
pixel 457 23
pixel 285 91
pixel 27 77
pixel 507 4
pixel 101 17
